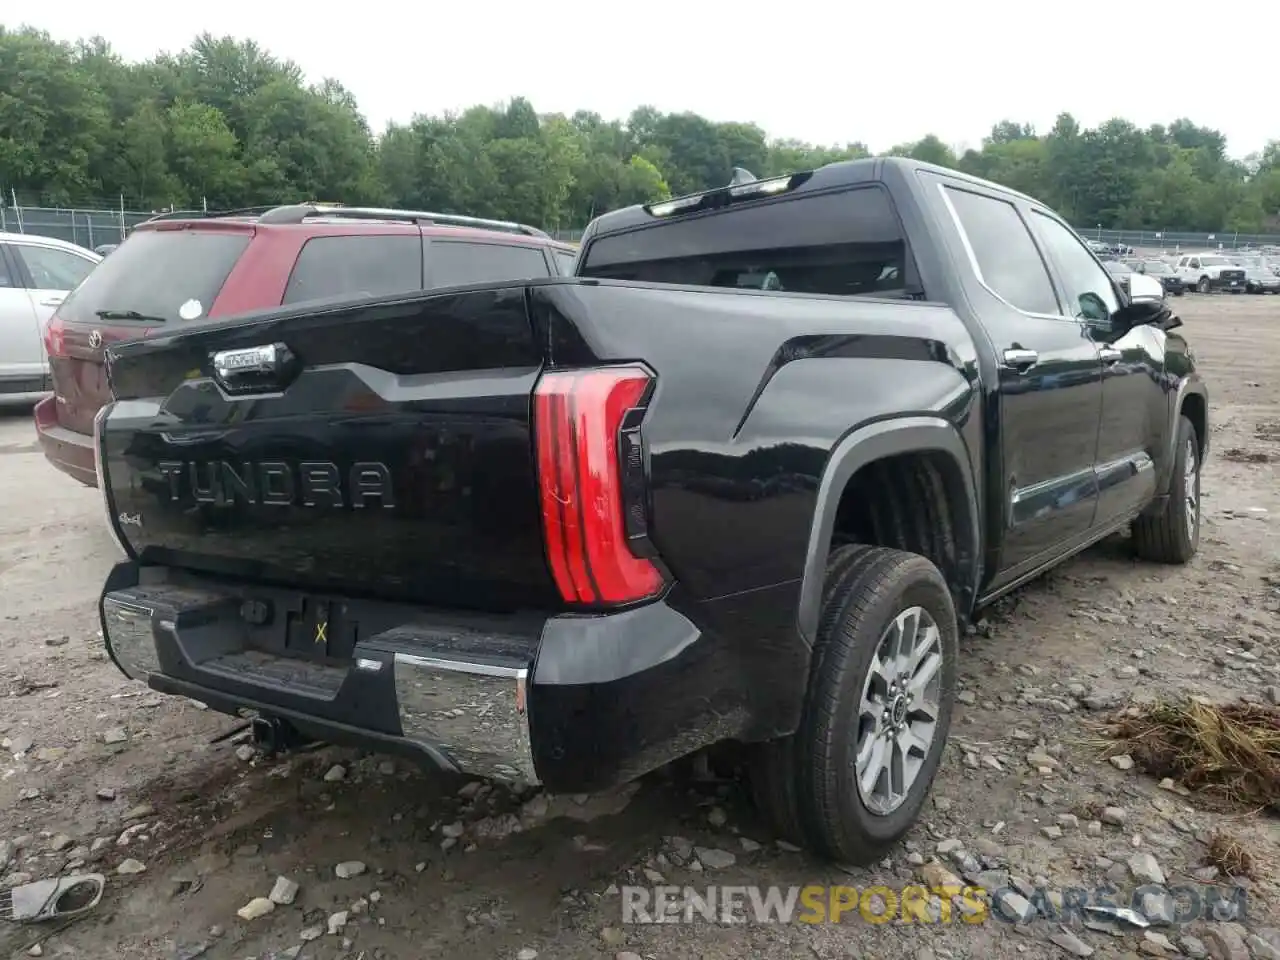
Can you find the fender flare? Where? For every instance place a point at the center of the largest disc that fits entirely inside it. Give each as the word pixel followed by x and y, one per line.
pixel 1191 385
pixel 875 441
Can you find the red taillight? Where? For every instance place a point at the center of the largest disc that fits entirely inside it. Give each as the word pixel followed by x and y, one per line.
pixel 55 341
pixel 588 457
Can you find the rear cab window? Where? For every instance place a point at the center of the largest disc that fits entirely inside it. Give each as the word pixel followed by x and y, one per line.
pixel 452 263
pixel 849 243
pixel 166 275
pixel 355 265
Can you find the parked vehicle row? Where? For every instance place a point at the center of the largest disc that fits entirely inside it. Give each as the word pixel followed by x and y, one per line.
pixel 1109 250
pixel 1262 274
pixel 1206 272
pixel 742 477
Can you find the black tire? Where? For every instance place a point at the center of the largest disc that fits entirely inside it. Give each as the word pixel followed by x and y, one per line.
pixel 1179 292
pixel 803 783
pixel 1172 535
pixel 1203 285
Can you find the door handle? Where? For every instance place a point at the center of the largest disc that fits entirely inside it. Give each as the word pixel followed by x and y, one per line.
pixel 52 301
pixel 1110 355
pixel 1015 358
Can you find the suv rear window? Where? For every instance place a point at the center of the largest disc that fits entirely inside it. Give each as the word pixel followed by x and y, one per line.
pixel 349 266
pixel 455 262
pixel 846 244
pixel 159 273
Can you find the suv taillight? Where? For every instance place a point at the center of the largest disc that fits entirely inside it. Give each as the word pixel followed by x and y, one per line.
pixel 55 344
pixel 592 483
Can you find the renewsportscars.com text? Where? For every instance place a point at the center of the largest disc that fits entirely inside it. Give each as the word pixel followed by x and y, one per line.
pixel 914 903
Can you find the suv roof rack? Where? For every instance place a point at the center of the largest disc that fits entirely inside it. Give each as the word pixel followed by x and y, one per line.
pixel 210 214
pixel 298 212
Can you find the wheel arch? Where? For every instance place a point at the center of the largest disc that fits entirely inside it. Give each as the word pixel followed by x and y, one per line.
pixel 1193 403
pixel 923 436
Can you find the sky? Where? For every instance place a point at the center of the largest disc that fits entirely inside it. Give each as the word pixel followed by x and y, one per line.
pixel 824 72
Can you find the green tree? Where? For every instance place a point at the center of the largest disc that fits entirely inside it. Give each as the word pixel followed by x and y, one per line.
pixel 202 152
pixel 225 121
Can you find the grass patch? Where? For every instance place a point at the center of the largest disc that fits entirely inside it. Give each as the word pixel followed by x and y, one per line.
pixel 1230 857
pixel 1228 752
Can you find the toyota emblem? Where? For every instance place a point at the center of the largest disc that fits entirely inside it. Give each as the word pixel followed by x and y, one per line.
pixel 95 339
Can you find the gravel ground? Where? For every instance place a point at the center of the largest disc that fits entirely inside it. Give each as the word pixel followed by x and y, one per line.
pixel 100 774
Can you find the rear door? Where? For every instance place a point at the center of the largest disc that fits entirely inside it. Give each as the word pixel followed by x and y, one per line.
pixel 54 273
pixel 1050 379
pixel 21 354
pixel 167 276
pixel 456 262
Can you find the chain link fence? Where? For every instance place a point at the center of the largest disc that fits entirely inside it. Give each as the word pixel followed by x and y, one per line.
pixel 90 228
pixel 86 228
pixel 1173 240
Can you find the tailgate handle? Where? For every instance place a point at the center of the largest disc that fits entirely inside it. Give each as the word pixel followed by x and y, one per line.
pixel 254 368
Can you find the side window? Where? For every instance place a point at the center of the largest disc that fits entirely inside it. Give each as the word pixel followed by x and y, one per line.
pixel 1007 259
pixel 1182 262
pixel 565 260
pixel 1194 264
pixel 454 263
pixel 353 265
pixel 53 269
pixel 7 279
pixel 1089 287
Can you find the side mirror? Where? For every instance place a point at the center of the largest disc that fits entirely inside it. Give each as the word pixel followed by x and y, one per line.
pixel 1149 311
pixel 1144 289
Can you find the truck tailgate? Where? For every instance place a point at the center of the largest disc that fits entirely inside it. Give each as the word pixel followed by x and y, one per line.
pixel 385 449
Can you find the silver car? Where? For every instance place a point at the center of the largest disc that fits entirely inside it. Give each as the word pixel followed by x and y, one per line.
pixel 1259 275
pixel 36 274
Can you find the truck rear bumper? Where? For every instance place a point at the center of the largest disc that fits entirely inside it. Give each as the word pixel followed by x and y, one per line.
pixel 578 703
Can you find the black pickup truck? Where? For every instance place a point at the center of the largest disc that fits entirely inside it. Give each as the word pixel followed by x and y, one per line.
pixel 743 479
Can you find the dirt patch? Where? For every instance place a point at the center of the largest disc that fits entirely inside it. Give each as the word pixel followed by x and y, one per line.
pixel 1239 455
pixel 1228 752
pixel 1268 430
pixel 460 871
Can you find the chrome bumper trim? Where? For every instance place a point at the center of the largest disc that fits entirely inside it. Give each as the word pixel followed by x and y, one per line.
pixel 127 630
pixel 475 713
pixel 98 420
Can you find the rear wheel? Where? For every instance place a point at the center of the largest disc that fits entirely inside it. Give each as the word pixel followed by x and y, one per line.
pixel 852 779
pixel 1172 535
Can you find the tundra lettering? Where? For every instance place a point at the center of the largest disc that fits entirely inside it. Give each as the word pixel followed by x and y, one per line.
pixel 276 483
pixel 741 482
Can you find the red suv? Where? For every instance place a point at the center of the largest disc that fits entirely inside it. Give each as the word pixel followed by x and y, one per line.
pixel 187 267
